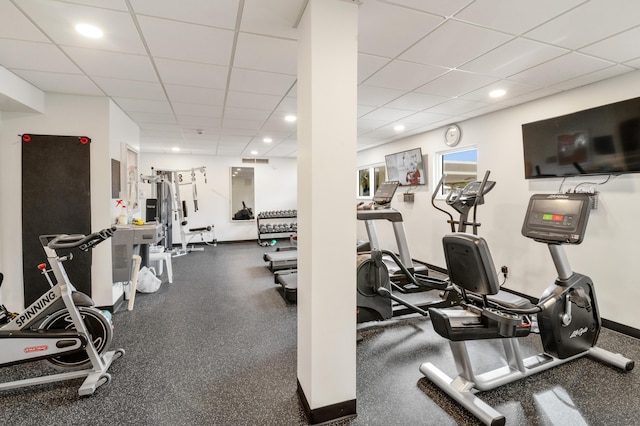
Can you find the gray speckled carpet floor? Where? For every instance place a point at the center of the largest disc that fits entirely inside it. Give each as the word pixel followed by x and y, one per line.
pixel 218 347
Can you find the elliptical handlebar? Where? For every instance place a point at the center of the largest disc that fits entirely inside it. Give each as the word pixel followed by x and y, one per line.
pixel 433 203
pixel 84 243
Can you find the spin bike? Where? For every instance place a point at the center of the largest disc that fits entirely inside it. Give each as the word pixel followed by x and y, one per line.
pixel 375 298
pixel 567 313
pixel 62 326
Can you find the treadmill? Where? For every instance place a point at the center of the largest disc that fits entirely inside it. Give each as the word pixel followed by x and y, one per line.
pixel 381 209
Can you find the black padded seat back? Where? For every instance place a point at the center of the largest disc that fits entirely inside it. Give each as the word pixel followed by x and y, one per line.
pixel 470 264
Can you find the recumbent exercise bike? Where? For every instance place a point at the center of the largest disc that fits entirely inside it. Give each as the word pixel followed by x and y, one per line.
pixel 567 313
pixel 62 326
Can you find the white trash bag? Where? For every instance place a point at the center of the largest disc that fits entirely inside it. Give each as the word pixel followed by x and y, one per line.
pixel 147 280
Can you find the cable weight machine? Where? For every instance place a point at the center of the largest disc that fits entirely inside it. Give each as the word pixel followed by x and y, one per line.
pixel 170 206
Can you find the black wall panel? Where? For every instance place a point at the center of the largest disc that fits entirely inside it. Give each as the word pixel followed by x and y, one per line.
pixel 56 199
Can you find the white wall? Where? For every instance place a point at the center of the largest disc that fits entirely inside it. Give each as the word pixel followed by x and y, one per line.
pixel 608 254
pixel 96 117
pixel 275 189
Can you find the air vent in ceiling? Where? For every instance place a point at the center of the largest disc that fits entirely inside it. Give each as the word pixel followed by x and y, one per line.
pixel 256 160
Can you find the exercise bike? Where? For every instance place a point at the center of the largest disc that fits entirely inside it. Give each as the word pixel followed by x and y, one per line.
pixel 375 299
pixel 62 326
pixel 567 313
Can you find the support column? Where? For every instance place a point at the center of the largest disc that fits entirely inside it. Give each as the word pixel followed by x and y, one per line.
pixel 327 134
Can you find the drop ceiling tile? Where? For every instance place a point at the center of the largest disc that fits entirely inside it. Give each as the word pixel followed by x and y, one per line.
pixel 197 110
pixel 456 107
pixel 513 89
pixel 276 18
pixel 283 150
pixel 486 109
pixel 513 57
pixel 387 114
pixel 200 122
pixel 160 130
pixel 57 20
pixel 530 96
pixel 261 82
pixel 587 24
pixel 439 7
pixel 377 20
pixel 557 70
pixel 376 96
pixel 101 63
pixel 196 43
pixel 236 131
pixel 194 95
pixel 635 63
pixel 593 77
pixel 151 117
pixel 143 105
pixel 234 140
pixel 366 125
pixel 404 75
pixel 246 113
pixel 14 25
pixel 619 48
pixel 514 17
pixel 287 106
pixel 28 55
pixel 455 83
pixel 424 118
pixel 369 64
pixel 453 44
pixel 415 101
pixel 106 4
pixel 192 73
pixel 252 100
pixel 114 87
pixel 60 83
pixel 277 124
pixel 365 109
pixel 257 52
pixel 215 13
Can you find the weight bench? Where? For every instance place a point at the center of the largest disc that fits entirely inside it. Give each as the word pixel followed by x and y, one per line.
pixel 282 258
pixel 288 279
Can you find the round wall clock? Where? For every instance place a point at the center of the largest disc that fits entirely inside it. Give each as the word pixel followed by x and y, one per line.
pixel 452 135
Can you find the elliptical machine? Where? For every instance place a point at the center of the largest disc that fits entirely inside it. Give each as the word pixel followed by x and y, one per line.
pixel 62 326
pixel 567 313
pixel 375 298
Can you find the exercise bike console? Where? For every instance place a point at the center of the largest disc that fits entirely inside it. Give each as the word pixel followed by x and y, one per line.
pixel 557 218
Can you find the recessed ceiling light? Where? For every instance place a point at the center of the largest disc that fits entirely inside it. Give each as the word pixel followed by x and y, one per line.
pixel 398 127
pixel 267 140
pixel 290 118
pixel 254 152
pixel 175 149
pixel 497 93
pixel 89 30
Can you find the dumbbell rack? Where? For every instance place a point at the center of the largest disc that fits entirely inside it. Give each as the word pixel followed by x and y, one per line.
pixel 274 223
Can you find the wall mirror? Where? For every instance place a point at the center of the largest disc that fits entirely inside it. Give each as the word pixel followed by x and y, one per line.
pixel 460 166
pixel 242 193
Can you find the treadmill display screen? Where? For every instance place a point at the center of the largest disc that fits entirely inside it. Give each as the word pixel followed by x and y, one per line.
pixel 384 193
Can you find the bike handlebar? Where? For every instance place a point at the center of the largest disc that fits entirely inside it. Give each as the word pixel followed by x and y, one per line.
pixel 84 243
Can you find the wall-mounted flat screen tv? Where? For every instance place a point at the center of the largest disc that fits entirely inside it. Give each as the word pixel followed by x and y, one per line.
pixel 406 167
pixel 601 140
